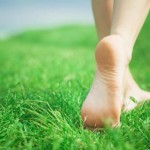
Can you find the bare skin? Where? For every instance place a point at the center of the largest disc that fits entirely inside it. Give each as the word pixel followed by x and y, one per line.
pixel 107 89
pixel 132 89
pixel 104 9
pixel 114 84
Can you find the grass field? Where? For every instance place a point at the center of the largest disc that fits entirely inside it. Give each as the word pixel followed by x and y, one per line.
pixel 45 76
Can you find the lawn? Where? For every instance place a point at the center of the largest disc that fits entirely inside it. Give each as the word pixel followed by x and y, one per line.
pixel 45 76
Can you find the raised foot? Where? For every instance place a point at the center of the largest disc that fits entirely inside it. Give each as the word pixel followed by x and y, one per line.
pixel 104 101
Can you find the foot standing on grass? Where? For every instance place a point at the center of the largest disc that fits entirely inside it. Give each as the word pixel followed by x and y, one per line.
pixel 118 24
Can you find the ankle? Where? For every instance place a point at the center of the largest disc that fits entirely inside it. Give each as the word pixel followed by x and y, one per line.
pixel 120 45
pixel 128 45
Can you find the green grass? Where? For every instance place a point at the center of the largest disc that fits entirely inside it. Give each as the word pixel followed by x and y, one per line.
pixel 45 76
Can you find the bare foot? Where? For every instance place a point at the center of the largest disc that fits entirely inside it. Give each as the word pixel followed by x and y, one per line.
pixel 133 95
pixel 104 102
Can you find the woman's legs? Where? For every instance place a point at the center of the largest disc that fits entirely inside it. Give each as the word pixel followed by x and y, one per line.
pixel 113 54
pixel 102 10
pixel 129 30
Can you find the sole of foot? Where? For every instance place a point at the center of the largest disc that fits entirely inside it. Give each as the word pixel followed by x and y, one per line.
pixel 103 104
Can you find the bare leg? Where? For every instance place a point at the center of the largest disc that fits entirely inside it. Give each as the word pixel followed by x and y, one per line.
pixel 103 10
pixel 113 54
pixel 129 30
